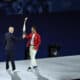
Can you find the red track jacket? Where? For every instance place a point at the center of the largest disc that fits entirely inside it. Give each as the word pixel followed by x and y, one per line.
pixel 37 40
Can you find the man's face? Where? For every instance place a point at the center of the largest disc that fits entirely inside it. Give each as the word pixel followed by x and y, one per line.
pixel 33 30
pixel 11 29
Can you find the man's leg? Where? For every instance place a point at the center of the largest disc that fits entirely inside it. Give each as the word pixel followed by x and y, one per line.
pixel 12 61
pixel 30 66
pixel 13 65
pixel 33 53
pixel 7 60
pixel 33 58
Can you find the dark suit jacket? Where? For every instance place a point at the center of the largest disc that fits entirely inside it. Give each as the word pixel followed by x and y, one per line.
pixel 9 41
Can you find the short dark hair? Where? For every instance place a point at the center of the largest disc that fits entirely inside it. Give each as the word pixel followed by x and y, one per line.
pixel 34 27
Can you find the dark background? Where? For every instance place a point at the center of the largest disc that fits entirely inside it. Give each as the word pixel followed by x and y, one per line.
pixel 9 7
pixel 58 22
pixel 58 28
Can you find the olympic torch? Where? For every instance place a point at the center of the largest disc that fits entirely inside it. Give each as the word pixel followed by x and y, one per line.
pixel 24 25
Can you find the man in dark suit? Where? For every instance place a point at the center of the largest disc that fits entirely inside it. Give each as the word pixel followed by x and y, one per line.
pixel 9 47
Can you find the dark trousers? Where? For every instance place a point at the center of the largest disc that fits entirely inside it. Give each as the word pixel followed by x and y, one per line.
pixel 10 57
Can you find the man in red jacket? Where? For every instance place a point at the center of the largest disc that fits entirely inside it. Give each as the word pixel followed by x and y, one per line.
pixel 34 41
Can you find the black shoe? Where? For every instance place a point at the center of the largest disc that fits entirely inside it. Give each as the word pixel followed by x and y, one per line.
pixel 13 69
pixel 35 67
pixel 7 68
pixel 29 68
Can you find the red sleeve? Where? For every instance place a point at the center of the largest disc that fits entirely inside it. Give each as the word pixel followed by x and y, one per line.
pixel 28 36
pixel 38 42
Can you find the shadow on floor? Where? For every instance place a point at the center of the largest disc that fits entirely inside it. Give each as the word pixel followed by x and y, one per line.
pixel 39 76
pixel 14 75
